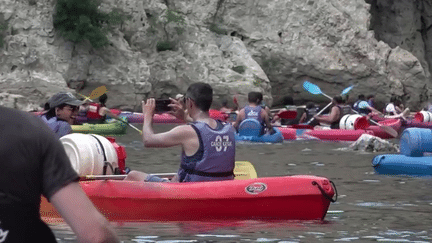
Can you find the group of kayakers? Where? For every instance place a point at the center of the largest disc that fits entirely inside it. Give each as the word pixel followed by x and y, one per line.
pixel 340 108
pixel 208 153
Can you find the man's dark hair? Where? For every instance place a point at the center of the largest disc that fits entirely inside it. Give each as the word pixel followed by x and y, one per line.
pixel 361 97
pixel 310 105
pixel 370 96
pixel 202 94
pixel 255 97
pixel 338 99
pixel 103 99
pixel 287 100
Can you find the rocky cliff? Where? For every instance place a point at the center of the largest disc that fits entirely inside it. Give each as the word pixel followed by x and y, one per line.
pixel 235 45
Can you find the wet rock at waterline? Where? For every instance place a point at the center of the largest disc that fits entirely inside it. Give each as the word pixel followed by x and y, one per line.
pixel 370 143
pixel 236 46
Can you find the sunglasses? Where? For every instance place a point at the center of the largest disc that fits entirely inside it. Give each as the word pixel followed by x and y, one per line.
pixel 72 108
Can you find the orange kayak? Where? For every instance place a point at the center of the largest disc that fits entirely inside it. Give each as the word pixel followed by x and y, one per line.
pixel 292 197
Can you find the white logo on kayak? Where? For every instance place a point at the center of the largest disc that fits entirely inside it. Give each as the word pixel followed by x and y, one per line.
pixel 3 235
pixel 221 143
pixel 252 113
pixel 256 188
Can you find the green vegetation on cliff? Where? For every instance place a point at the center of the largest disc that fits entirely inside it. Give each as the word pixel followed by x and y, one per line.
pixel 78 20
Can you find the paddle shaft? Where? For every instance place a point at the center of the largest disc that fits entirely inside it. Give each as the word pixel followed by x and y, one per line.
pixel 319 113
pixel 134 127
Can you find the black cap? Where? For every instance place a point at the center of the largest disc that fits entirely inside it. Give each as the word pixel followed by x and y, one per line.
pixel 64 98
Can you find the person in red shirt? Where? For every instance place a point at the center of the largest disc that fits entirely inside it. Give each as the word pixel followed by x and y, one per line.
pixel 97 112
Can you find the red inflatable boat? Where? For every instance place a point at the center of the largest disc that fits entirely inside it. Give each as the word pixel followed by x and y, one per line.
pixel 292 197
pixel 293 132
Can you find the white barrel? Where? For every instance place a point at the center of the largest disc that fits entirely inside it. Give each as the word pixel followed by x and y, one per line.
pixel 86 154
pixel 353 122
pixel 423 116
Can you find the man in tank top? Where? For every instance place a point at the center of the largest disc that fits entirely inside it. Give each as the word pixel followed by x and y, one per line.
pixel 208 145
pixel 253 111
pixel 337 112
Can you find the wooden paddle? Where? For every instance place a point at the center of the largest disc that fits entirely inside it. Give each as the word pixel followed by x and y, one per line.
pixel 314 89
pixel 96 93
pixel 243 170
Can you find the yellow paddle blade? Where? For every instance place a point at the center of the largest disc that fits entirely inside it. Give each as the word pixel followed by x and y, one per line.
pixel 244 170
pixel 86 98
pixel 98 92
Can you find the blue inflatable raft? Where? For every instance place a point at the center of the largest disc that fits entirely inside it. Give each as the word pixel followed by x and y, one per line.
pixel 399 164
pixel 251 130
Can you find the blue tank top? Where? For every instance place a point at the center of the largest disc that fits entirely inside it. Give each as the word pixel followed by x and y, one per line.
pixel 215 158
pixel 253 113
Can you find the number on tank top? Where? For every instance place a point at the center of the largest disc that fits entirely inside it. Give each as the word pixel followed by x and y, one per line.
pixel 226 142
pixel 220 143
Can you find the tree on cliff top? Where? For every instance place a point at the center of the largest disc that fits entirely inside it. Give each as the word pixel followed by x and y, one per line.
pixel 77 20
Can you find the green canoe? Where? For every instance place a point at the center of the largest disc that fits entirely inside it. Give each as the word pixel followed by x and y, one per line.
pixel 110 128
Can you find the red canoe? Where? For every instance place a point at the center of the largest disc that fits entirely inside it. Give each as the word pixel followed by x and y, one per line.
pixel 291 133
pixel 292 197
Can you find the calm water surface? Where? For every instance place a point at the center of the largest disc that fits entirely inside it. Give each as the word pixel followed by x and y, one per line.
pixel 370 207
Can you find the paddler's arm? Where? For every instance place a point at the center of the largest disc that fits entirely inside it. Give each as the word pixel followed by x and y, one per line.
pixel 106 111
pixel 303 118
pixel 176 136
pixel 332 117
pixel 266 119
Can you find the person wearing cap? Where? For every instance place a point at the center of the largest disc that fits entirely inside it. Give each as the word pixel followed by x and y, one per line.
pixel 61 113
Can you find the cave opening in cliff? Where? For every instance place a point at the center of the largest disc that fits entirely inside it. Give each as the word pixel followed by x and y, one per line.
pixel 404 24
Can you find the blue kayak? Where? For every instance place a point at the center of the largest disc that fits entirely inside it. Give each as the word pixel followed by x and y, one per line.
pixel 398 164
pixel 251 130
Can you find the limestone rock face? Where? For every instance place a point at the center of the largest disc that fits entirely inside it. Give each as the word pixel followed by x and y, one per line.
pixel 327 42
pixel 237 46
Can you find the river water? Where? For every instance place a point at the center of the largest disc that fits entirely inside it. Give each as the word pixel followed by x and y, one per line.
pixel 370 207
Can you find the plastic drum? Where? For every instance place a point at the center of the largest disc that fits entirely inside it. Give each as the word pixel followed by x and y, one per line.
pixel 250 127
pixel 423 116
pixel 353 122
pixel 415 141
pixel 86 153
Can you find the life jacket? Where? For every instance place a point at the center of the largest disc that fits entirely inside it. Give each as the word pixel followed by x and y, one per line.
pixel 93 111
pixel 253 113
pixel 343 110
pixel 21 221
pixel 310 113
pixel 215 158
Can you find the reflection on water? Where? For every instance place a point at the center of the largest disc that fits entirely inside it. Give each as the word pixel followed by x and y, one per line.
pixel 370 207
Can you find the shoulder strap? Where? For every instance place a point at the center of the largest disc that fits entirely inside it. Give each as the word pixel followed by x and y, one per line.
pixel 106 163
